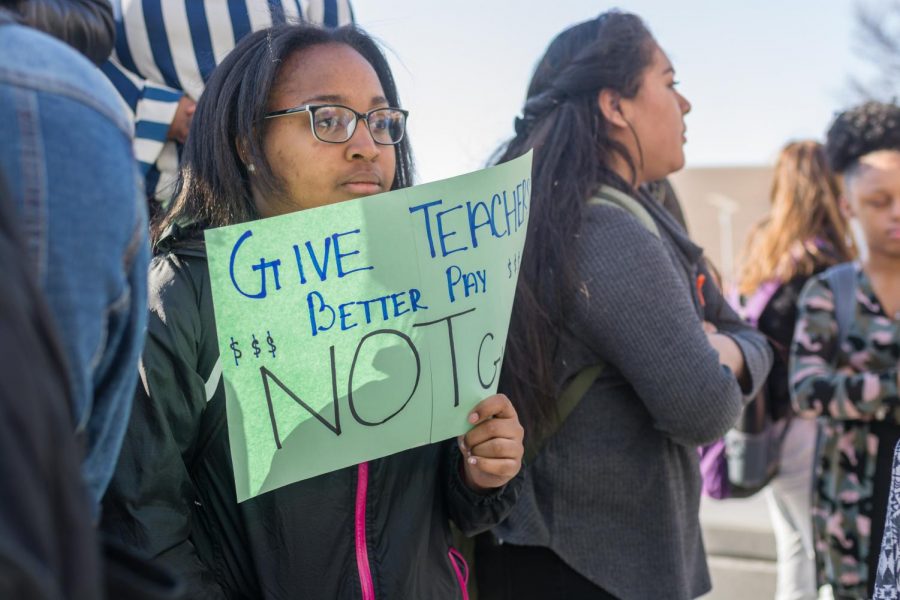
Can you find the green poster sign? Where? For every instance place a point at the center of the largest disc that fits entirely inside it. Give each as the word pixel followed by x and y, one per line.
pixel 361 329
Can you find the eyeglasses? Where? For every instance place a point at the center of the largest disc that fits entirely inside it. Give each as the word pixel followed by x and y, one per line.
pixel 335 124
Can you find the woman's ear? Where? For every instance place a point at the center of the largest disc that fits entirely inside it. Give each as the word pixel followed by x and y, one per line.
pixel 610 105
pixel 243 154
pixel 846 207
pixel 844 203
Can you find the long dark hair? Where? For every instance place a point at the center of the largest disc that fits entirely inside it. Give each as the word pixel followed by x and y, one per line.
pixel 213 186
pixel 573 152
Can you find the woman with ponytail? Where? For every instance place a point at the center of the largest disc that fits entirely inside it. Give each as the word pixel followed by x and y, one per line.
pixel 614 297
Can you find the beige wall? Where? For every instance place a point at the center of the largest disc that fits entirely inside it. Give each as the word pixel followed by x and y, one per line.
pixel 721 204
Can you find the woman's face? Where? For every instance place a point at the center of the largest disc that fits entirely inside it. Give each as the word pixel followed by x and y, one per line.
pixel 656 114
pixel 872 189
pixel 316 173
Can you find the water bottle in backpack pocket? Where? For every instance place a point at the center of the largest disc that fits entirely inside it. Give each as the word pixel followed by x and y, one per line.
pixel 753 447
pixel 747 458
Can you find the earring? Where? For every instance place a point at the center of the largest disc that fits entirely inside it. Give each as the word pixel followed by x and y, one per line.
pixel 251 168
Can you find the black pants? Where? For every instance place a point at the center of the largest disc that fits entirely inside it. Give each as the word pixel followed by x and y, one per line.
pixel 507 572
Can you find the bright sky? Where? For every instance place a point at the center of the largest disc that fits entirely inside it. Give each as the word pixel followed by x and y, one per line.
pixel 757 73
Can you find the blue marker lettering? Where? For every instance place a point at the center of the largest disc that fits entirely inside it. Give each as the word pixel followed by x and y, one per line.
pixel 340 257
pixel 397 305
pixel 424 208
pixel 414 297
pixel 323 307
pixel 474 225
pixel 345 314
pixel 299 264
pixel 454 276
pixel 262 267
pixel 443 236
pixel 321 269
pixel 494 202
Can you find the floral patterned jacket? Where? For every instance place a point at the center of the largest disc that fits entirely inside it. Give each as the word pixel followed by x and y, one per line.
pixel 850 386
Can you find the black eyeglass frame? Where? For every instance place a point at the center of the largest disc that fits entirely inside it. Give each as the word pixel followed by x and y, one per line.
pixel 312 108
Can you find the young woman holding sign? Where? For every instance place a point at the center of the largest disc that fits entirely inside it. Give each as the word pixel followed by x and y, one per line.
pixel 294 118
pixel 609 509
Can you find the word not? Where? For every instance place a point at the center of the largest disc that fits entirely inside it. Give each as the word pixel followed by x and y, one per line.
pixel 271 381
pixel 324 316
pixel 255 345
pixel 472 283
pixel 505 216
pixel 318 260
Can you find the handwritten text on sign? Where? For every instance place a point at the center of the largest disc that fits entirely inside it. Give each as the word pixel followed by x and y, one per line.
pixel 357 330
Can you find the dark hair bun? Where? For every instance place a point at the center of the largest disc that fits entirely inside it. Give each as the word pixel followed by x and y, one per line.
pixel 856 132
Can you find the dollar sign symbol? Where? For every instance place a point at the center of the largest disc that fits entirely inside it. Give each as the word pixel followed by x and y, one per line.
pixel 237 353
pixel 255 345
pixel 271 343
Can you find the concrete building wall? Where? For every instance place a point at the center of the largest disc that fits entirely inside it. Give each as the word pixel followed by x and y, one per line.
pixel 721 204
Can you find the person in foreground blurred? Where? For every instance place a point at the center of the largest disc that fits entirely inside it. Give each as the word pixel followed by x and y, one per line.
pixel 165 52
pixel 73 181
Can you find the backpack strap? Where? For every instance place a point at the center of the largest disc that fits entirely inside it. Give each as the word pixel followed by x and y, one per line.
pixel 753 307
pixel 584 379
pixel 610 196
pixel 842 281
pixel 568 400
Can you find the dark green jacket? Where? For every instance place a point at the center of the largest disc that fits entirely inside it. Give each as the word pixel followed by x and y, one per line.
pixel 173 492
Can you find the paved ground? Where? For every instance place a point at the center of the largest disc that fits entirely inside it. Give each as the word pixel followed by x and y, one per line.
pixel 740 548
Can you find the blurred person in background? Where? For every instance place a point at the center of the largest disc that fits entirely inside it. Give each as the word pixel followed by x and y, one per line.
pixel 843 364
pixel 165 52
pixel 803 234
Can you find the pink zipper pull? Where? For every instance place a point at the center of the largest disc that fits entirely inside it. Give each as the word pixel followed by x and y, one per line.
pixel 362 551
pixel 456 558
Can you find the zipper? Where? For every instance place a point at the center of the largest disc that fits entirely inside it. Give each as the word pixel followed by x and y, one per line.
pixel 362 551
pixel 462 575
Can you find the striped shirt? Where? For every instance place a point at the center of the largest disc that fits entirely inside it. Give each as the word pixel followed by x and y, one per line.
pixel 168 48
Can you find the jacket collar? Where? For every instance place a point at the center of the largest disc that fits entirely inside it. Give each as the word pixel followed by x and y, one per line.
pixel 673 229
pixel 185 240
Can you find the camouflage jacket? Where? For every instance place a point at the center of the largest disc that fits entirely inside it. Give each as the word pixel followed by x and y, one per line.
pixel 849 386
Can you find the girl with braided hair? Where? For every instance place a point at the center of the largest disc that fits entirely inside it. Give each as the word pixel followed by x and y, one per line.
pixel 611 286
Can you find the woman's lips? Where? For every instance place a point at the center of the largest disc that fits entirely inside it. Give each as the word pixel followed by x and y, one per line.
pixel 363 187
pixel 363 183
